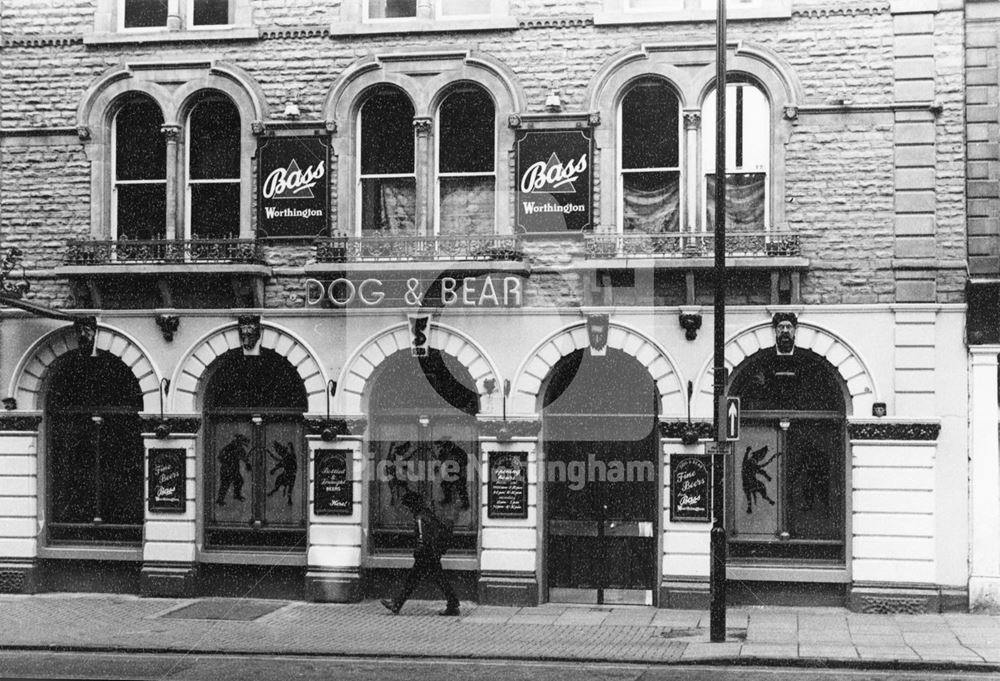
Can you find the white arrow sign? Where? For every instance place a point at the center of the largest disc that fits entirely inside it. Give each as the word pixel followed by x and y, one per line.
pixel 732 418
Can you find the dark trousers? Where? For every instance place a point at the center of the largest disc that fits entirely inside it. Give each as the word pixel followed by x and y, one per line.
pixel 427 565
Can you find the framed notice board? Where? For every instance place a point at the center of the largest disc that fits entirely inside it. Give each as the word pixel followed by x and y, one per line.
pixel 690 488
pixel 167 480
pixel 333 489
pixel 507 489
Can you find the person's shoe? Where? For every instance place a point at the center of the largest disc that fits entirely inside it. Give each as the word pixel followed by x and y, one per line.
pixel 390 606
pixel 450 612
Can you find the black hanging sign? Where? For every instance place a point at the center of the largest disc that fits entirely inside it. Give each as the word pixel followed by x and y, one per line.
pixel 554 192
pixel 333 489
pixel 690 488
pixel 167 480
pixel 293 190
pixel 507 489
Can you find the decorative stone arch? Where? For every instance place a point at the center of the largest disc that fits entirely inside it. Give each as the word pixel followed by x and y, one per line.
pixel 852 370
pixel 30 376
pixel 531 375
pixel 103 97
pixel 187 383
pixel 409 72
pixel 355 378
pixel 690 69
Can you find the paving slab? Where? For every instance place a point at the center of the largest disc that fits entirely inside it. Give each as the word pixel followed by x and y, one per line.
pixel 827 652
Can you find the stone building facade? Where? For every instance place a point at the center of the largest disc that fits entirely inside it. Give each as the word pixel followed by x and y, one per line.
pixel 329 248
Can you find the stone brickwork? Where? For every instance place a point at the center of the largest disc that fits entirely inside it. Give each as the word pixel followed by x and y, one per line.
pixel 868 160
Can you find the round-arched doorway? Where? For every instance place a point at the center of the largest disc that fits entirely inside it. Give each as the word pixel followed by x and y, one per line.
pixel 600 439
pixel 787 478
pixel 255 453
pixel 423 439
pixel 94 459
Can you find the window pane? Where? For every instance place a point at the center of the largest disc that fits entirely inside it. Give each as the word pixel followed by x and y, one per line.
pixel 140 152
pixel 387 134
pixel 748 129
pixel 652 202
pixel 389 9
pixel 214 140
pixel 466 133
pixel 466 205
pixel 649 127
pixel 388 205
pixel 142 211
pixel 145 13
pixel 211 12
pixel 215 210
pixel 744 201
pixel 460 7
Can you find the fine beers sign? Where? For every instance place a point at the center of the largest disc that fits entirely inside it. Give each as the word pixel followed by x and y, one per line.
pixel 553 180
pixel 293 188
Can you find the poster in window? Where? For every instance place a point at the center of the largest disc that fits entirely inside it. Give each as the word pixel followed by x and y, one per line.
pixel 333 489
pixel 690 488
pixel 167 480
pixel 554 192
pixel 293 193
pixel 507 491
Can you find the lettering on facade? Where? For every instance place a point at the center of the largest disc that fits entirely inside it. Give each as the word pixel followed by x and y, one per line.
pixel 333 489
pixel 554 180
pixel 507 489
pixel 293 188
pixel 167 480
pixel 690 488
pixel 486 291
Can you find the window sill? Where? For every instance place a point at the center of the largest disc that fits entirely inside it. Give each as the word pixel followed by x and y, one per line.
pixel 164 36
pixel 424 26
pixel 404 560
pixel 90 552
pixel 775 9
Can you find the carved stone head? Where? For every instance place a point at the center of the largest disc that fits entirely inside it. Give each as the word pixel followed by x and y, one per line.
pixel 784 325
pixel 249 329
pixel 597 333
pixel 86 333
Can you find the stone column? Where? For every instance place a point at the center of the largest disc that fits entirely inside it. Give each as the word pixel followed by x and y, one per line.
pixel 508 563
pixel 423 128
pixel 984 478
pixel 171 133
pixel 692 125
pixel 333 572
pixel 169 537
pixel 19 500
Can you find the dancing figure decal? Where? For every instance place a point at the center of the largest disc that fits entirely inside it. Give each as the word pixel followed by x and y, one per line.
pixel 286 465
pixel 751 472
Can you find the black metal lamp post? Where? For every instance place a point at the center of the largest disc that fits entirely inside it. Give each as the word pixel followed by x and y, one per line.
pixel 717 574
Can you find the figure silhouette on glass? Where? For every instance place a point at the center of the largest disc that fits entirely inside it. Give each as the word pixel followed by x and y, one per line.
pixel 229 468
pixel 751 471
pixel 453 487
pixel 397 456
pixel 286 465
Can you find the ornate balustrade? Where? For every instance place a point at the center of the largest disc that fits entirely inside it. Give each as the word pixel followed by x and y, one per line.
pixel 692 245
pixel 418 248
pixel 125 252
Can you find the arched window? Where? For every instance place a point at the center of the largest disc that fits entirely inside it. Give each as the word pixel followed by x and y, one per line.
pixel 424 440
pixel 95 454
pixel 650 176
pixel 748 152
pixel 139 171
pixel 213 169
pixel 255 454
pixel 466 163
pixel 386 178
pixel 786 490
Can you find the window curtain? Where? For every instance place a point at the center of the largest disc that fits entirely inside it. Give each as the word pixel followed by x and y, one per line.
pixel 651 207
pixel 466 206
pixel 744 202
pixel 389 205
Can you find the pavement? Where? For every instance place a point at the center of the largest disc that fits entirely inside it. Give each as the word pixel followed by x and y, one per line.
pixel 814 637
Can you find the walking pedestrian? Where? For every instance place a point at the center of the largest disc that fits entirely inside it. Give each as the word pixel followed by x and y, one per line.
pixel 432 538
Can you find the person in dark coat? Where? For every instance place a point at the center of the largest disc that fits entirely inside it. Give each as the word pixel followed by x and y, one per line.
pixel 432 537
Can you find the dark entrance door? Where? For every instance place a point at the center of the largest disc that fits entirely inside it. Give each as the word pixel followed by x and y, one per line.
pixel 601 480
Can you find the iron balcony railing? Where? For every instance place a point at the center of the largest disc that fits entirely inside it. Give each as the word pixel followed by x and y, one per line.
pixel 692 245
pixel 418 248
pixel 125 252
